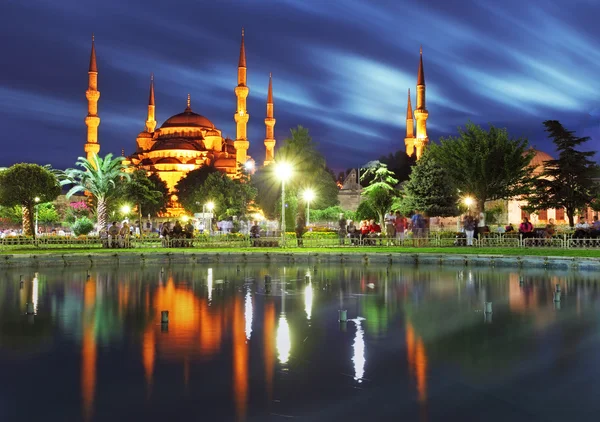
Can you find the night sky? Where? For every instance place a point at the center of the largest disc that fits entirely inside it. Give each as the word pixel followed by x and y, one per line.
pixel 341 68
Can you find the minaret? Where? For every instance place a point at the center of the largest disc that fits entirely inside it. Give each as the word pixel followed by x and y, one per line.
pixel 241 116
pixel 151 120
pixel 270 124
pixel 421 112
pixel 92 121
pixel 409 141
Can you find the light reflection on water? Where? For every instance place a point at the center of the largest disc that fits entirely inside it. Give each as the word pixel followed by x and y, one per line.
pixel 226 339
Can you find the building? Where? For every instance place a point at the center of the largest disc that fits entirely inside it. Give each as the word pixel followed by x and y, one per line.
pixel 350 192
pixel 187 140
pixel 417 144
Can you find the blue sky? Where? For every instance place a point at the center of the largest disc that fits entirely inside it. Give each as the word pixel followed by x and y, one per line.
pixel 342 68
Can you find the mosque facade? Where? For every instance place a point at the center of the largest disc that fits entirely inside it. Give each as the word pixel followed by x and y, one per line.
pixel 188 140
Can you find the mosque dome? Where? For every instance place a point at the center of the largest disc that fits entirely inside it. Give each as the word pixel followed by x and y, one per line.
pixel 188 119
pixel 144 134
pixel 537 162
pixel 176 144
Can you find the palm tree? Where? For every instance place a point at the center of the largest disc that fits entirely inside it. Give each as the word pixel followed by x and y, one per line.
pixel 97 179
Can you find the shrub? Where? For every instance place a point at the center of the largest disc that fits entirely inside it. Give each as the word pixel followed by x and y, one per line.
pixel 82 226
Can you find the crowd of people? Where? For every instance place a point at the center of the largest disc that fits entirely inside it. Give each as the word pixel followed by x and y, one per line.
pixel 175 234
pixel 396 225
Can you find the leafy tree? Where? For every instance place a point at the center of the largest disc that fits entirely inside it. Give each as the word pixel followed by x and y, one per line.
pixel 21 184
pixel 82 226
pixel 365 211
pixel 486 164
pixel 12 214
pixel 381 192
pixel 430 189
pixel 47 213
pixel 98 177
pixel 187 187
pixel 400 164
pixel 567 182
pixel 330 214
pixel 309 172
pixel 230 196
pixel 148 192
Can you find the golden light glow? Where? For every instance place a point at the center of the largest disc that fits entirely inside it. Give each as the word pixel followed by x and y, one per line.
pixel 125 209
pixel 37 199
pixel 308 195
pixel 185 218
pixel 468 201
pixel 269 346
pixel 283 171
pixel 34 293
pixel 240 361
pixel 283 340
pixel 417 361
pixel 88 351
pixel 210 206
pixel 149 353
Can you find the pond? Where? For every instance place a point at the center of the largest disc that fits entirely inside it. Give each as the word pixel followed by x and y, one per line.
pixel 417 346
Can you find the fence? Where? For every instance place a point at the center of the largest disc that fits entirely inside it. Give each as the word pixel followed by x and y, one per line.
pixel 238 241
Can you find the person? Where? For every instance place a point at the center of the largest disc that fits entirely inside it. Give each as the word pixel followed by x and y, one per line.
pixel 113 235
pixel 390 228
pixel 124 235
pixel 364 230
pixel 581 228
pixel 595 229
pixel 165 233
pixel 352 232
pixel 254 233
pixel 342 223
pixel 374 231
pixel 550 229
pixel 417 224
pixel 469 225
pixel 526 228
pixel 188 232
pixel 509 229
pixel 399 227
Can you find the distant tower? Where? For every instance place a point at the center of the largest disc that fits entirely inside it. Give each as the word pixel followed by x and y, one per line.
pixel 421 112
pixel 92 121
pixel 270 125
pixel 241 116
pixel 151 120
pixel 409 141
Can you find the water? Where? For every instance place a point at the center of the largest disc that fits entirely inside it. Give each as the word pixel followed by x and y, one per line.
pixel 417 346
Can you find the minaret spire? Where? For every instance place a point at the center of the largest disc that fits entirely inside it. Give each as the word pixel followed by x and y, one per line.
pixel 421 113
pixel 151 119
pixel 189 103
pixel 241 116
pixel 270 126
pixel 92 121
pixel 409 140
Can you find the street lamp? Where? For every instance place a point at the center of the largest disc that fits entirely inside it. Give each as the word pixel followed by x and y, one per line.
pixel 125 210
pixel 309 195
pixel 283 172
pixel 37 200
pixel 468 202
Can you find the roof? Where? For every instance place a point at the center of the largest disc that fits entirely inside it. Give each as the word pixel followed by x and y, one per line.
pixel 188 119
pixel 270 93
pixel 242 62
pixel 93 64
pixel 421 76
pixel 176 143
pixel 409 112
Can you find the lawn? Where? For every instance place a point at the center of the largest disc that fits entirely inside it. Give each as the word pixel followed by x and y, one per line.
pixel 594 253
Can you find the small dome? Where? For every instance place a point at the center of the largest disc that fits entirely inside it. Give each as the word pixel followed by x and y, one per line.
pixel 188 119
pixel 539 158
pixel 225 162
pixel 144 134
pixel 212 132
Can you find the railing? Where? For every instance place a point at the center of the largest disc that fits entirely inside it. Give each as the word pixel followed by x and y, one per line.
pixel 204 242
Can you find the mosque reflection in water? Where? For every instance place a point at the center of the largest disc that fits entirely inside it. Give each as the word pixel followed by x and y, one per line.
pixel 245 348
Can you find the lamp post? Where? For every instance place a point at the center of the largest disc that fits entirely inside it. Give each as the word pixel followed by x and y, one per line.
pixel 468 202
pixel 37 200
pixel 283 171
pixel 126 210
pixel 309 195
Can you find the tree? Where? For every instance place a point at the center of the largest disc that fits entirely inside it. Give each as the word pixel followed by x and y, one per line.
pixel 486 164
pixel 429 189
pixel 21 184
pixel 309 172
pixel 12 214
pixel 567 182
pixel 381 192
pixel 47 213
pixel 98 178
pixel 148 192
pixel 187 188
pixel 400 164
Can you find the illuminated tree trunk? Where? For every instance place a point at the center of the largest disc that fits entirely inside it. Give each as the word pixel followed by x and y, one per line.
pixel 28 221
pixel 101 213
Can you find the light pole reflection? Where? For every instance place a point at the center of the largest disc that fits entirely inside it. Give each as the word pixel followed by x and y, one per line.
pixel 248 314
pixel 359 351
pixel 308 300
pixel 209 284
pixel 283 340
pixel 34 293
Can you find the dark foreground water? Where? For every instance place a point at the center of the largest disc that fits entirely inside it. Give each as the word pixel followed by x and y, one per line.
pixel 417 346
